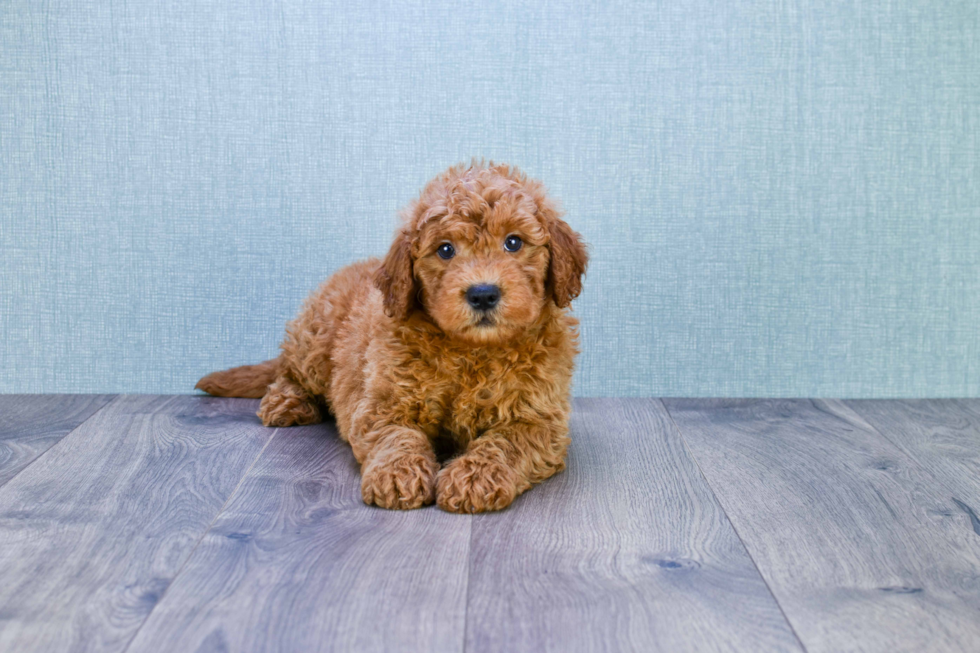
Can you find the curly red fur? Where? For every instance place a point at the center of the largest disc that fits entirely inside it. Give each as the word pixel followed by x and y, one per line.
pixel 395 352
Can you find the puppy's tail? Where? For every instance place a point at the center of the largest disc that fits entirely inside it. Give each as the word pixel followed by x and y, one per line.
pixel 248 381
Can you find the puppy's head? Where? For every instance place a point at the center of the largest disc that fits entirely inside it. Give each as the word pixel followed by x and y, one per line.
pixel 482 250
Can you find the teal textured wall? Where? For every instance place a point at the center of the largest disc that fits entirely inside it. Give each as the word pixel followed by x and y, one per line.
pixel 782 198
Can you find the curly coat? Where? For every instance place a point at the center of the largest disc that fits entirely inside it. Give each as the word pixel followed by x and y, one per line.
pixel 408 367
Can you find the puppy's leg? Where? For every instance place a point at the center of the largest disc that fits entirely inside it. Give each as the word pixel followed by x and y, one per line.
pixel 499 465
pixel 286 403
pixel 399 470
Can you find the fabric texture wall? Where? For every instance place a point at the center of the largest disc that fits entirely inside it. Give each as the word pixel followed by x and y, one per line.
pixel 782 198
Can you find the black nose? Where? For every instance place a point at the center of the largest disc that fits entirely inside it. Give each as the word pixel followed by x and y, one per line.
pixel 483 297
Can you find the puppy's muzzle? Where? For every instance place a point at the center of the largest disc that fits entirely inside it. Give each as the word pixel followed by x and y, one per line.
pixel 483 297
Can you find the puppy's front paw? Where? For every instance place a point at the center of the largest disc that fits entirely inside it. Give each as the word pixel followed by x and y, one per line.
pixel 474 484
pixel 401 482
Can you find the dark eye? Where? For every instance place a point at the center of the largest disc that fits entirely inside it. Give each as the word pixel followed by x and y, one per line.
pixel 513 243
pixel 446 251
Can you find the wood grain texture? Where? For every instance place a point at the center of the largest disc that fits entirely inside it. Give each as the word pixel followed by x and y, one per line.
pixel 942 435
pixel 32 424
pixel 297 562
pixel 625 550
pixel 92 534
pixel 862 547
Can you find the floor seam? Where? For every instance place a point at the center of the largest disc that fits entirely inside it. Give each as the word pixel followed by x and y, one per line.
pixel 85 421
pixel 721 507
pixel 197 544
pixel 469 577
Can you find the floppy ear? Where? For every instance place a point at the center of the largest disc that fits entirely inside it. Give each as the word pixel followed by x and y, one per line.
pixel 395 279
pixel 568 261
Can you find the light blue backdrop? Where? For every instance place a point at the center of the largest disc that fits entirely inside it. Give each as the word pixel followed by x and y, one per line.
pixel 782 198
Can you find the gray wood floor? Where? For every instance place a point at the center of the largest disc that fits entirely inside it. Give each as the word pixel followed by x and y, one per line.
pixel 139 523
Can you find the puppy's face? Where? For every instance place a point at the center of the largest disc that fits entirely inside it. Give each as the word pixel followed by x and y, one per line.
pixel 483 273
pixel 482 252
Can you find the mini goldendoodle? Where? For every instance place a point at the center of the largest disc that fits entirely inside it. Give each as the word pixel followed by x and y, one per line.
pixel 459 341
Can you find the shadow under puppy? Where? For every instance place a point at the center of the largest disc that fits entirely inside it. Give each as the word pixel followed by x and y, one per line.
pixel 459 340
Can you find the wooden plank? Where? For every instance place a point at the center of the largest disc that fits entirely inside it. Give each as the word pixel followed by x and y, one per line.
pixel 625 550
pixel 92 534
pixel 32 424
pixel 861 546
pixel 297 562
pixel 942 435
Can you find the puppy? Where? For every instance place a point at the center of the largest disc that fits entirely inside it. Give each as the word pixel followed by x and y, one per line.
pixel 458 341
